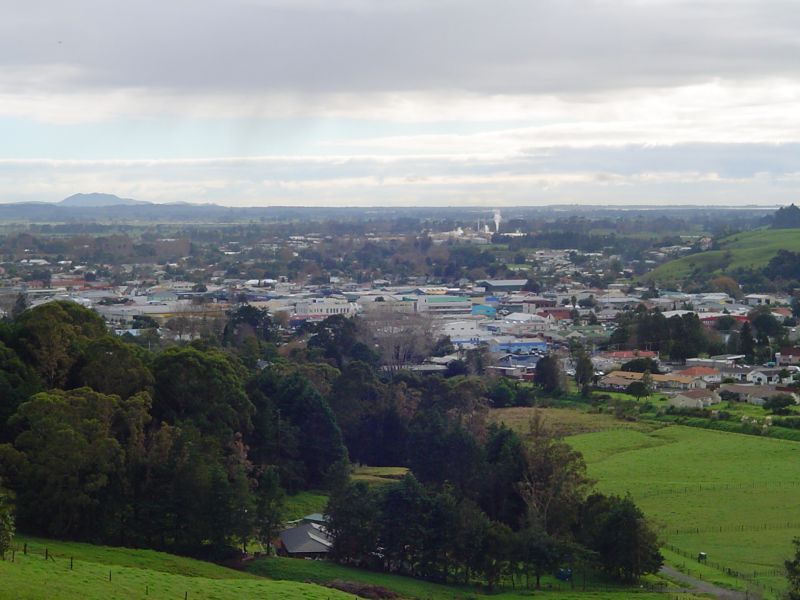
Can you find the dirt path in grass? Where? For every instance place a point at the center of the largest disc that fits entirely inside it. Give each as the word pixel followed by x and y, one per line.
pixel 705 587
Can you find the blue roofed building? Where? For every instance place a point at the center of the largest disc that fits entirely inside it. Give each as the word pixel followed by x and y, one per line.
pixel 483 310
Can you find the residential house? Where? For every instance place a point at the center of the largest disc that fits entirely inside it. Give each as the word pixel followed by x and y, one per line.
pixel 707 374
pixel 719 361
pixel 788 356
pixel 765 376
pixel 700 398
pixel 309 539
pixel 752 394
pixel 615 379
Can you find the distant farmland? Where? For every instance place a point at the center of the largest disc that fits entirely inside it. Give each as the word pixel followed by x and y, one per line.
pixel 752 249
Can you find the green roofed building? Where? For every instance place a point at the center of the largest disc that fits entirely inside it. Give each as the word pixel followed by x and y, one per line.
pixel 444 305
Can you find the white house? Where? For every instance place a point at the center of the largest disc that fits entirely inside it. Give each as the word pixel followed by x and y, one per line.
pixel 700 398
pixel 765 376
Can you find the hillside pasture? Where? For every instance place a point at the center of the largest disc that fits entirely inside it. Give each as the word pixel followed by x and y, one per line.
pixel 735 497
pixel 102 573
pixel 749 250
pixel 77 571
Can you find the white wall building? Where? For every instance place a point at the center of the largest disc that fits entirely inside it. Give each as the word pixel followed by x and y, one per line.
pixel 317 309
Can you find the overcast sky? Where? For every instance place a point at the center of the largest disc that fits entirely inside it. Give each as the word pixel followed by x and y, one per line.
pixel 401 102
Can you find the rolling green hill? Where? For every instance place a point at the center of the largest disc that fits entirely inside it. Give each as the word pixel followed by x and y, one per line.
pixel 134 574
pixel 733 496
pixel 752 249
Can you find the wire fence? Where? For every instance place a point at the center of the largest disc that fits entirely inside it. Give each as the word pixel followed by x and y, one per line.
pixel 696 488
pixel 65 564
pixel 736 528
pixel 751 578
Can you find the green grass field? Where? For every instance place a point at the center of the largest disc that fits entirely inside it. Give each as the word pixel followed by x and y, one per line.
pixel 139 574
pixel 304 503
pixel 735 497
pixel 135 574
pixel 752 249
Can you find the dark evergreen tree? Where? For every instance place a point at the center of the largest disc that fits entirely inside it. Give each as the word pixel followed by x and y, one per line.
pixel 203 389
pixel 505 458
pixel 792 567
pixel 17 383
pixel 110 366
pixel 51 337
pixel 295 429
pixel 626 545
pixel 548 375
pixel 746 342
pixel 354 523
pixel 640 365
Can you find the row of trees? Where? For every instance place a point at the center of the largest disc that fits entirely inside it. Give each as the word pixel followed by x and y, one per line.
pixel 192 447
pixel 185 449
pixel 682 337
pixel 491 509
pixel 679 337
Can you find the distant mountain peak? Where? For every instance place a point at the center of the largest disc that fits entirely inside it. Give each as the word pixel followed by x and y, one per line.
pixel 97 200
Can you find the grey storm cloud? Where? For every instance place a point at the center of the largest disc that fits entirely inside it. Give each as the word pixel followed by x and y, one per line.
pixel 304 46
pixel 401 101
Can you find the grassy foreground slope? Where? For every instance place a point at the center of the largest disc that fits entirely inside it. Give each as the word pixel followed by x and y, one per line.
pixel 733 496
pixel 752 249
pixel 134 574
pixel 143 574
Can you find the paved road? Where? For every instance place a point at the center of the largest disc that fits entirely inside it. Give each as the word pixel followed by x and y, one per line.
pixel 704 587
